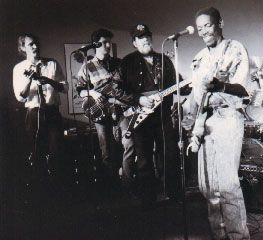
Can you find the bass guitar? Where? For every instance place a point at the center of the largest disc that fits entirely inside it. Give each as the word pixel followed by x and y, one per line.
pixel 98 111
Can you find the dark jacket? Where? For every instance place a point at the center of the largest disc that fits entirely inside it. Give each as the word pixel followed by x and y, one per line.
pixel 133 74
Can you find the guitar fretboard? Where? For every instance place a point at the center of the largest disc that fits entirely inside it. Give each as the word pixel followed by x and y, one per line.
pixel 173 88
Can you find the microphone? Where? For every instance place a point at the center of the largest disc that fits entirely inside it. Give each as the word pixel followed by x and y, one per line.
pixel 89 46
pixel 188 30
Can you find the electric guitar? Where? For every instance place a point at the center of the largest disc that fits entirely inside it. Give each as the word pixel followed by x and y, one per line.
pixel 139 114
pixel 98 111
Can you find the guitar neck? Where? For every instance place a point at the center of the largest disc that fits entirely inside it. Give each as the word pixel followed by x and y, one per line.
pixel 173 88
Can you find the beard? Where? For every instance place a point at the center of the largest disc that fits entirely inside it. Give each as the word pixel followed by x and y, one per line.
pixel 145 49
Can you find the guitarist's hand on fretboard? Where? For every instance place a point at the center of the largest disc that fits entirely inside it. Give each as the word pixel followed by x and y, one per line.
pixel 150 101
pixel 146 102
pixel 156 97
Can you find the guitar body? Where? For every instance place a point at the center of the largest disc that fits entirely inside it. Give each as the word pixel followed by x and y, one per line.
pixel 139 114
pixel 144 112
pixel 97 111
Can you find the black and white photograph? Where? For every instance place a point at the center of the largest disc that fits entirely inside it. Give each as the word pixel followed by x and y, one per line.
pixel 131 120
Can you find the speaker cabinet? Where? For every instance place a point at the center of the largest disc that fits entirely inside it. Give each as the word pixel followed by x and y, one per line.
pixel 251 174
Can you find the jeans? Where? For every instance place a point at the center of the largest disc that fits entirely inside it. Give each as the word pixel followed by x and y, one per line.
pixel 218 163
pixel 128 162
pixel 105 137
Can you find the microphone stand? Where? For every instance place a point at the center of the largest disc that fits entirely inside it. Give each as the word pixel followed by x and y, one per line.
pixel 180 143
pixel 89 115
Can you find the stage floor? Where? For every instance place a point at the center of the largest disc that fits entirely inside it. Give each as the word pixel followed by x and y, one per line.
pixel 83 214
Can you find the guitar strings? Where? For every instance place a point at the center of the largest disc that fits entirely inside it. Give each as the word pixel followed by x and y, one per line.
pixel 99 105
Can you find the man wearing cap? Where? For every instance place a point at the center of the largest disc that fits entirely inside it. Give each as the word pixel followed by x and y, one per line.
pixel 220 75
pixel 141 74
pixel 103 71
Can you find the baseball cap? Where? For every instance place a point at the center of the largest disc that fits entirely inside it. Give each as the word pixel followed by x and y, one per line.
pixel 140 30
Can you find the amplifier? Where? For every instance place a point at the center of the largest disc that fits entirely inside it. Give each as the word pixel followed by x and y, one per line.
pixel 251 161
pixel 74 132
pixel 251 168
pixel 251 174
pixel 252 149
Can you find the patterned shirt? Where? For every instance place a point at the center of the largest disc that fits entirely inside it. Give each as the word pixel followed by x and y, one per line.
pixel 48 68
pixel 100 72
pixel 230 59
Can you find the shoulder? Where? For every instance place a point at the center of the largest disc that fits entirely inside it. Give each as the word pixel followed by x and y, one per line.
pixel 235 43
pixel 235 51
pixel 21 67
pixel 20 64
pixel 237 46
pixel 89 62
pixel 167 59
pixel 132 56
pixel 50 62
pixel 115 61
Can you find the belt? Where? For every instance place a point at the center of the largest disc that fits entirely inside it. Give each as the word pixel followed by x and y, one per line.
pixel 212 109
pixel 46 108
pixel 215 107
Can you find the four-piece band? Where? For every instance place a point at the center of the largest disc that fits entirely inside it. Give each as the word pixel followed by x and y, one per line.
pixel 132 101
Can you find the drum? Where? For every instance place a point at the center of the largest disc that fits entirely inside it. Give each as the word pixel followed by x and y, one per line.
pixel 253 129
pixel 252 152
pixel 254 110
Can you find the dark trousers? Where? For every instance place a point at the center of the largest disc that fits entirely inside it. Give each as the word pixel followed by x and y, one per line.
pixel 104 131
pixel 128 160
pixel 45 133
pixel 109 148
pixel 166 140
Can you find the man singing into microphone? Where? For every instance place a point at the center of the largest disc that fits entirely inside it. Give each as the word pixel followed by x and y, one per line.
pixel 37 83
pixel 141 74
pixel 103 73
pixel 219 72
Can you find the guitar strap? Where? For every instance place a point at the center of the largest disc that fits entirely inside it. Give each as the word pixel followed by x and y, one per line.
pixel 154 70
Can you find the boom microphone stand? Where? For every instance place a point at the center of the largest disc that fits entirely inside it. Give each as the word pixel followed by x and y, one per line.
pixel 84 51
pixel 180 143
